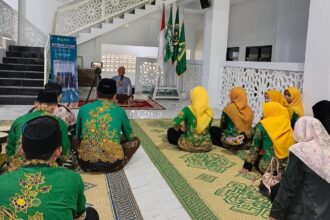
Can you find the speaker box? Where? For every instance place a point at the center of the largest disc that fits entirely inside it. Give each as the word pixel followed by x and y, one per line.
pixel 205 3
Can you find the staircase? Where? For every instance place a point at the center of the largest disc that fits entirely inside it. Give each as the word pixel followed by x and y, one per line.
pixel 21 75
pixel 91 29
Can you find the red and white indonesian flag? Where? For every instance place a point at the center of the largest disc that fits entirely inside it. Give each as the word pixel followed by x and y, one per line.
pixel 161 41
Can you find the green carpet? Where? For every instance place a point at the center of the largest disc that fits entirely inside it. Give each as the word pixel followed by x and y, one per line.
pixel 208 185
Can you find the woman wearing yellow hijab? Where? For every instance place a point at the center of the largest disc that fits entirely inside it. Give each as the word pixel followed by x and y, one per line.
pixel 296 110
pixel 275 96
pixel 235 130
pixel 192 125
pixel 274 135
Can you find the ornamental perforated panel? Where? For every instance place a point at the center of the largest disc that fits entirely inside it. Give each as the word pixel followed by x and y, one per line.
pixel 85 13
pixel 256 82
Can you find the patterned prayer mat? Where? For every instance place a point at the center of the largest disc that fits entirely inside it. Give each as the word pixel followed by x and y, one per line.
pixel 136 104
pixel 140 104
pixel 111 195
pixel 208 185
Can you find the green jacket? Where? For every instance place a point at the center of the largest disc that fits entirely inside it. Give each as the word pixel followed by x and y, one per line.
pixel 262 144
pixel 15 134
pixel 99 127
pixel 228 127
pixel 191 140
pixel 40 191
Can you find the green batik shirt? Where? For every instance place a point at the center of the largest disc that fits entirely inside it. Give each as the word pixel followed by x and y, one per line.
pixel 99 128
pixel 228 127
pixel 15 134
pixel 261 141
pixel 191 139
pixel 38 191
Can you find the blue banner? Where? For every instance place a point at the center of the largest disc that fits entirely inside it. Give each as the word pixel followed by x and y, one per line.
pixel 64 67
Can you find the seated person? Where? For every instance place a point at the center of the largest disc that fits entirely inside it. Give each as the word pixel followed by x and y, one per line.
pixel 124 86
pixel 275 96
pixel 321 111
pixel 39 189
pixel 296 110
pixel 46 104
pixel 236 122
pixel 274 135
pixel 61 111
pixel 191 131
pixel 102 147
pixel 305 185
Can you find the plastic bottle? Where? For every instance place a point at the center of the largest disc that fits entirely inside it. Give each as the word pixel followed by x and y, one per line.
pixel 129 90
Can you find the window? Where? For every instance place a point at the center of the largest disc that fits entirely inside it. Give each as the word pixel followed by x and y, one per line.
pixel 232 53
pixel 259 53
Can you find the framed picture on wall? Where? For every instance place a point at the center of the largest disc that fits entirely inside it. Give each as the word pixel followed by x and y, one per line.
pixel 80 62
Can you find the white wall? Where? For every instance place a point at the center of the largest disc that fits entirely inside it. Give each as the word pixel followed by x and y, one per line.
pixel 41 13
pixel 291 30
pixel 252 23
pixel 317 66
pixel 142 32
pixel 12 3
pixel 280 23
pixel 36 20
pixel 199 46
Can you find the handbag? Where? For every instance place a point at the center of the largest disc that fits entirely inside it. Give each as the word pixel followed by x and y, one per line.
pixel 270 180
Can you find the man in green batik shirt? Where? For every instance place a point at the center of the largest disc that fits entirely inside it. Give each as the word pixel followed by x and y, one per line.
pixel 46 104
pixel 106 141
pixel 39 189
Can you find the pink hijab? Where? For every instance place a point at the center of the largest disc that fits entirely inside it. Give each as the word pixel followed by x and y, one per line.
pixel 313 146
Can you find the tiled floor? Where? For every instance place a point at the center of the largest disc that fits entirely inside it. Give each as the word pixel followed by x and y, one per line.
pixel 154 197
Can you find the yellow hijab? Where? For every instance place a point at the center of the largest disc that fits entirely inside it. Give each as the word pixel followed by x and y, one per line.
pixel 238 110
pixel 276 96
pixel 200 108
pixel 296 104
pixel 277 123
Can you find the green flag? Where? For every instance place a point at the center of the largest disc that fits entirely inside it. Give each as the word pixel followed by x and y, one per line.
pixel 176 37
pixel 181 65
pixel 168 38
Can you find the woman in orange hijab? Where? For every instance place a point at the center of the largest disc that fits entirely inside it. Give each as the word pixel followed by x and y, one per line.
pixel 235 130
pixel 296 110
pixel 191 131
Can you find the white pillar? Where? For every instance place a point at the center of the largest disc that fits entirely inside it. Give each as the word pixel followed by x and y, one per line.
pixel 215 47
pixel 317 60
pixel 21 21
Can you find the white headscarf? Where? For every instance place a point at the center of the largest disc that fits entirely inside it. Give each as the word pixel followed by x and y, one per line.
pixel 313 146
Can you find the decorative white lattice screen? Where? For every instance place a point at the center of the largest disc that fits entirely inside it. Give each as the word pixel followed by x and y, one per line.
pixel 84 13
pixel 256 82
pixel 148 74
pixel 192 77
pixel 9 21
pixel 111 63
